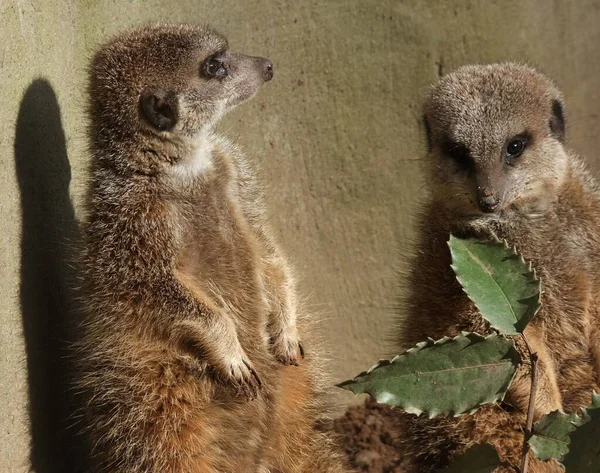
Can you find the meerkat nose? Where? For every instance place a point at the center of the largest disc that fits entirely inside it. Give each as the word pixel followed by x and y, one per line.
pixel 486 200
pixel 267 69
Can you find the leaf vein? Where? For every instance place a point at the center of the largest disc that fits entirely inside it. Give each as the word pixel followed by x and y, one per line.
pixel 446 370
pixel 483 266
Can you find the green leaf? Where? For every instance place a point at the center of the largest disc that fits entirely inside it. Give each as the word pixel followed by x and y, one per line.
pixel 502 285
pixel 481 458
pixel 448 376
pixel 551 435
pixel 584 448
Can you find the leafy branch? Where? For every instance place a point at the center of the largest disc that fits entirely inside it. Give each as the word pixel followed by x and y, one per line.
pixel 458 375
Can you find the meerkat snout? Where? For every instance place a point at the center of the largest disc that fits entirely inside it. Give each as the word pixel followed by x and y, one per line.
pixel 486 199
pixel 241 75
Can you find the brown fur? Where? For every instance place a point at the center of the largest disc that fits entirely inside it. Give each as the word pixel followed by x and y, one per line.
pixel 190 325
pixel 548 207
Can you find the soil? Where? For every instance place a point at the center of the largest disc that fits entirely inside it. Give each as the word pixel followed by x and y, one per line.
pixel 369 434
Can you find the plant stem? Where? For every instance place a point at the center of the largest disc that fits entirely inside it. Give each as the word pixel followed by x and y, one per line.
pixel 533 359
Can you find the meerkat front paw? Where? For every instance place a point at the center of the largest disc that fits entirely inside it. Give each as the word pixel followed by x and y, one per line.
pixel 287 347
pixel 238 372
pixel 244 378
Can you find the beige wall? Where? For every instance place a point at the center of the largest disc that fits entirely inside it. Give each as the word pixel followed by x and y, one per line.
pixel 337 132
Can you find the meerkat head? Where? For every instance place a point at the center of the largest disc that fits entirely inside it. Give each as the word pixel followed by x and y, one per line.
pixel 495 135
pixel 168 82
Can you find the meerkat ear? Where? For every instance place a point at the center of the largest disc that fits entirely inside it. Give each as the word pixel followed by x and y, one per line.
pixel 159 108
pixel 427 133
pixel 557 121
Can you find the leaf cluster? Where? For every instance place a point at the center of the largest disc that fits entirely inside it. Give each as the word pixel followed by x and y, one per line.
pixel 455 376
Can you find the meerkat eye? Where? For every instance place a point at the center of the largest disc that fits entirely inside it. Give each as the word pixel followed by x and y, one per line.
pixel 514 149
pixel 215 67
pixel 459 152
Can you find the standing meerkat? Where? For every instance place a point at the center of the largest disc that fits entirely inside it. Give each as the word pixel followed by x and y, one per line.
pixel 189 341
pixel 498 167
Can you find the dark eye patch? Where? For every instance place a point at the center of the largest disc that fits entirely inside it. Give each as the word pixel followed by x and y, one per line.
pixel 215 66
pixel 460 153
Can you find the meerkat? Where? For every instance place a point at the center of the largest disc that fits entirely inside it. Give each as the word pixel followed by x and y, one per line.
pixel 190 358
pixel 498 167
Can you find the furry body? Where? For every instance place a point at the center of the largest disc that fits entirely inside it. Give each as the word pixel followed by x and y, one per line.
pixel 548 206
pixel 187 352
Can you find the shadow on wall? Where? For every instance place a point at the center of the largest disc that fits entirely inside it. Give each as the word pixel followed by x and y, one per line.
pixel 48 311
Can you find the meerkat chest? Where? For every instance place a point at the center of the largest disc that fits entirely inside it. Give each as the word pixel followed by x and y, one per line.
pixel 220 248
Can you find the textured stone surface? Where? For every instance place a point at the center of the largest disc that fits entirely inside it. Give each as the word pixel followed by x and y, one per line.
pixel 337 134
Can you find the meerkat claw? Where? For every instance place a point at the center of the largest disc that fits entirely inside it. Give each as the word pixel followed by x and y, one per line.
pixel 253 372
pixel 246 381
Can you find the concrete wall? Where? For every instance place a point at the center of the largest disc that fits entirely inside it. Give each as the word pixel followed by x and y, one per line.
pixel 337 132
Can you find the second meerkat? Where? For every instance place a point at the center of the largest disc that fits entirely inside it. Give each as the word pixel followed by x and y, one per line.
pixel 498 167
pixel 190 325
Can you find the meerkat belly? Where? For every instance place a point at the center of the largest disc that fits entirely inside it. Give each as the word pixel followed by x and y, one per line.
pixel 220 255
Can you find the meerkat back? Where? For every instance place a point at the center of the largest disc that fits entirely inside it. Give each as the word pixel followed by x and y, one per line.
pixel 498 168
pixel 190 358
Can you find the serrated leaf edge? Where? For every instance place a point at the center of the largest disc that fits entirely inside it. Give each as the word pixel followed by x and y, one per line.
pixel 585 418
pixel 575 420
pixel 513 249
pixel 430 343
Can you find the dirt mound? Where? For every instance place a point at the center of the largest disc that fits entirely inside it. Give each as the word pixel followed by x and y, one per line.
pixel 369 434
